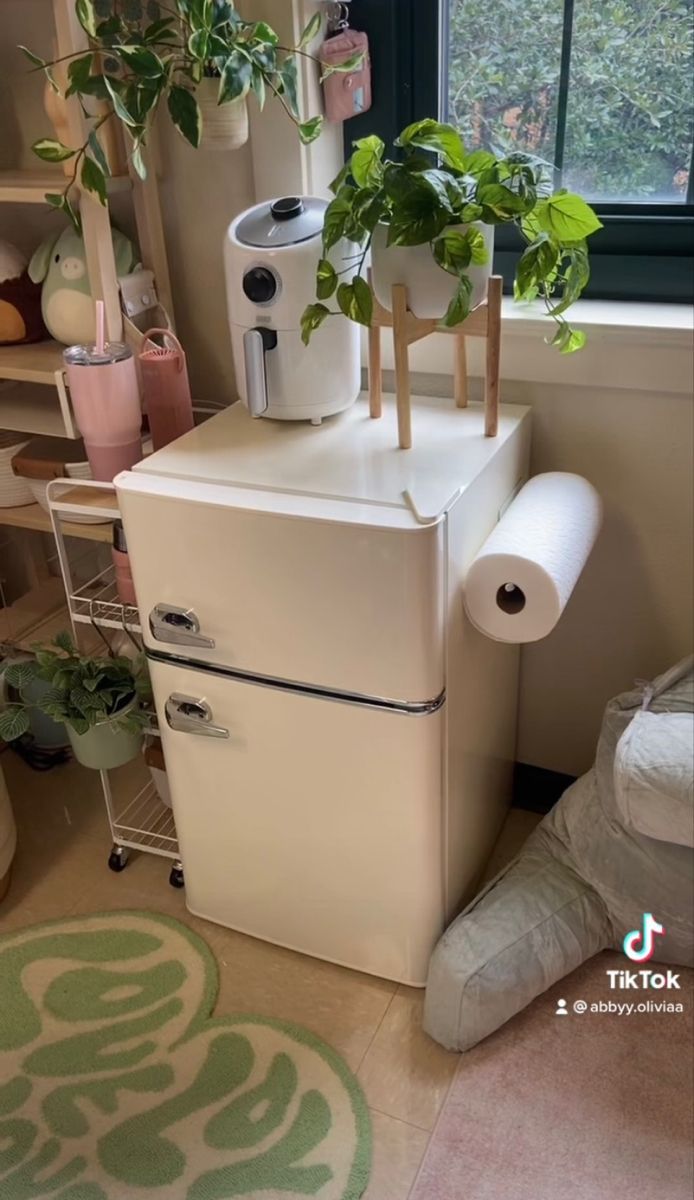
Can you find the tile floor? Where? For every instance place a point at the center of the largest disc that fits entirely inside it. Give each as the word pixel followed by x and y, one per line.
pixel 61 868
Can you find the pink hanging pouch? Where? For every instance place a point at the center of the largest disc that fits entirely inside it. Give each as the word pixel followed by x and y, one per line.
pixel 346 95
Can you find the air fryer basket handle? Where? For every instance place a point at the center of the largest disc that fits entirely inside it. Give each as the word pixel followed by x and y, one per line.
pixel 255 344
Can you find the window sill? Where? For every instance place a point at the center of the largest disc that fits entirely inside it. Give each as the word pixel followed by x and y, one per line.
pixel 609 320
pixel 634 346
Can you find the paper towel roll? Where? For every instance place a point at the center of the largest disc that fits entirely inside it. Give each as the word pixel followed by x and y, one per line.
pixel 519 583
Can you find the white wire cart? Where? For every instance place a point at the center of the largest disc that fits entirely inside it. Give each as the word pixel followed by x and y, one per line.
pixel 139 818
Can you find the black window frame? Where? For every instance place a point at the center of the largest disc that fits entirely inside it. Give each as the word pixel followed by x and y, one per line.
pixel 645 252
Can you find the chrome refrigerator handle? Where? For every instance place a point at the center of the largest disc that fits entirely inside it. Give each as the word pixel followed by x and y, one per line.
pixel 190 714
pixel 256 342
pixel 179 626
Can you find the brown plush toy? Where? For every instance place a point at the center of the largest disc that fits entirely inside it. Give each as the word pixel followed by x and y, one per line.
pixel 20 300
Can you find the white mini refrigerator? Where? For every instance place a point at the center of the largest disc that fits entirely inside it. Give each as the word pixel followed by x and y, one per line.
pixel 338 738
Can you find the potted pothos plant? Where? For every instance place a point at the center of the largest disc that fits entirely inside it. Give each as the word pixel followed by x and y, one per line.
pixel 429 222
pixel 136 67
pixel 97 698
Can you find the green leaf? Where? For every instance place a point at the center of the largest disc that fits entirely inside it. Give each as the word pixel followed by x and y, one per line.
pixel 33 58
pixel 455 250
pixel 258 86
pixel 99 157
pixel 116 90
pixel 198 44
pixel 93 179
pixel 356 301
pixel 79 74
pixel 326 279
pixel 310 130
pixel 336 215
pixel 237 76
pixel 312 318
pixel 142 61
pixel 51 150
pixel 441 139
pixel 567 217
pixel 63 641
pixel 537 265
pixel 160 30
pixel 86 16
pixel 459 307
pixel 353 63
pixel 14 721
pixel 311 30
pixel 185 114
pixel 288 84
pixel 110 28
pixel 262 32
pixel 575 341
pixel 138 161
pixel 366 163
pixel 499 203
pixel 18 674
pixel 420 206
pixel 478 161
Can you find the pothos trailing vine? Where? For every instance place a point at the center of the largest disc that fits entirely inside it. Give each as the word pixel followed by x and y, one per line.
pixel 134 66
pixel 439 201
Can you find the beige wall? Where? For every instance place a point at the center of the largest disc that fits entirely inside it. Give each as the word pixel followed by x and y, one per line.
pixel 631 613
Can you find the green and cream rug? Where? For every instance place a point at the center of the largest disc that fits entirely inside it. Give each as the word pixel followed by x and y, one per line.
pixel 116 1083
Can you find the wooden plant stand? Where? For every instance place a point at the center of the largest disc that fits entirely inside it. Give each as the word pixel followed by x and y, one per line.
pixel 484 321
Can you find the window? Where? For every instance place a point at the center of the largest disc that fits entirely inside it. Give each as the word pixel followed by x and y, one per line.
pixel 601 89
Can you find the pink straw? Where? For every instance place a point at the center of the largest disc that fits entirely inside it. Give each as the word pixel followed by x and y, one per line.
pixel 100 342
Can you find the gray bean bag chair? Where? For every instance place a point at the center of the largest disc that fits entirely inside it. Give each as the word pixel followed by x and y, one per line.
pixel 617 845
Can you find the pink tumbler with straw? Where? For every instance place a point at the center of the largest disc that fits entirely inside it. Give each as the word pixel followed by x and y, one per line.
pixel 166 389
pixel 106 401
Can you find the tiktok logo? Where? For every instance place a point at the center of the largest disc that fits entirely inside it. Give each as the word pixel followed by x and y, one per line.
pixel 646 937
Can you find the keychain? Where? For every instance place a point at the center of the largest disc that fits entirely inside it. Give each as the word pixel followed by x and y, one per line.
pixel 346 95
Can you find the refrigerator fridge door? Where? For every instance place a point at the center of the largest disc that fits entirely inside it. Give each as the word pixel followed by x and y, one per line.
pixel 340 596
pixel 308 822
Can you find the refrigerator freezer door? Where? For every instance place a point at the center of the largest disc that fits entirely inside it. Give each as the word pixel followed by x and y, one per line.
pixel 315 592
pixel 315 825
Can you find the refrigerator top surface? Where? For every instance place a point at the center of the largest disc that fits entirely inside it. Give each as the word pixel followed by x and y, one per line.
pixel 350 457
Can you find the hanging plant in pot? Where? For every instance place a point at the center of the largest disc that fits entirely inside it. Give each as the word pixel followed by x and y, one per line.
pixel 198 56
pixel 98 700
pixel 430 226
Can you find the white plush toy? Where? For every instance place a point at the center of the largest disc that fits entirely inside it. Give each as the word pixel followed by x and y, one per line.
pixel 66 300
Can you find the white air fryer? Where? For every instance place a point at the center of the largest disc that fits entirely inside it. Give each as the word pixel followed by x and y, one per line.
pixel 271 253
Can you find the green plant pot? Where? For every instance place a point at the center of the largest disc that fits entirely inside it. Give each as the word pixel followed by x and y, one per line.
pixel 105 745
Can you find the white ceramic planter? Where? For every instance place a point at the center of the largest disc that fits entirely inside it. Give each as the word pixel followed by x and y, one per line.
pixel 224 126
pixel 106 745
pixel 429 288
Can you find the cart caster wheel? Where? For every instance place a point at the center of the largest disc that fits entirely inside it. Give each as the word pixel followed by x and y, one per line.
pixel 176 877
pixel 118 858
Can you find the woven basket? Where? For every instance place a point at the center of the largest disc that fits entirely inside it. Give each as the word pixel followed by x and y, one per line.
pixel 13 490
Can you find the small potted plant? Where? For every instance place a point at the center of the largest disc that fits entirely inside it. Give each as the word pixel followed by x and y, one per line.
pixel 98 700
pixel 429 225
pixel 193 48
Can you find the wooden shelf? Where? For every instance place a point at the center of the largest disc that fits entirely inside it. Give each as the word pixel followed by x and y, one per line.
pixel 31 611
pixel 30 186
pixel 32 408
pixel 32 516
pixel 38 362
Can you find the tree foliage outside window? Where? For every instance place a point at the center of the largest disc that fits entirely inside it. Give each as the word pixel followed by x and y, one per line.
pixel 630 115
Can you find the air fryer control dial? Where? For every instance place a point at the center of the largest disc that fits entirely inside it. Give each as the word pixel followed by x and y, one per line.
pixel 260 285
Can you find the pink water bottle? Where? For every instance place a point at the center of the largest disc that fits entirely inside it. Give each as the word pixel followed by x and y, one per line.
pixel 106 401
pixel 166 389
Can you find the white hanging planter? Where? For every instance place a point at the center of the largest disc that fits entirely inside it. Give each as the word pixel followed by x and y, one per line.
pixel 429 288
pixel 224 126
